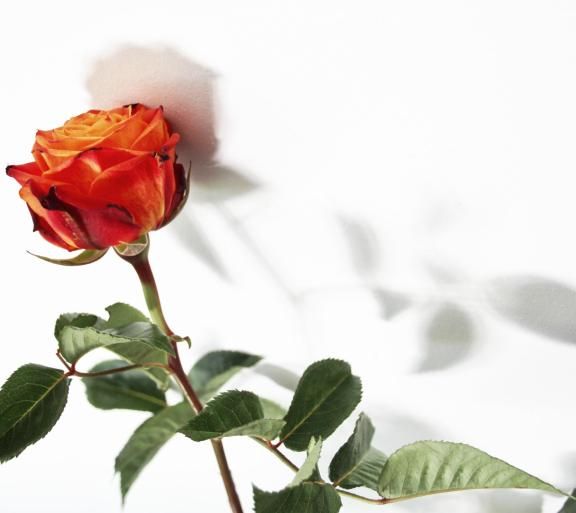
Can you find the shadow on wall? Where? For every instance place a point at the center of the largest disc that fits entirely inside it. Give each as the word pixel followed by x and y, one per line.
pixel 538 304
pixel 163 76
pixel 160 76
pixel 449 335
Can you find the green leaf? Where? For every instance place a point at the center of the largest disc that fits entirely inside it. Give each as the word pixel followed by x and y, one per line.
pixel 130 390
pixel 309 469
pixel 121 314
pixel 136 352
pixel 214 369
pixel 78 334
pixel 147 440
pixel 304 498
pixel 570 504
pixel 424 468
pixel 233 413
pixel 31 402
pixel 326 395
pixel 85 257
pixel 357 463
pixel 271 409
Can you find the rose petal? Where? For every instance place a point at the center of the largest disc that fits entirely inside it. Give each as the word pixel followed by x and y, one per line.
pixel 155 136
pixel 122 134
pixel 43 228
pixel 97 228
pixel 24 172
pixel 138 185
pixel 180 195
pixel 55 226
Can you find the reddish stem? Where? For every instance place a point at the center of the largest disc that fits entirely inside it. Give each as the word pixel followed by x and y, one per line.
pixel 142 267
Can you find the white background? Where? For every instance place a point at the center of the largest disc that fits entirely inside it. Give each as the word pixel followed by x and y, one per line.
pixel 399 194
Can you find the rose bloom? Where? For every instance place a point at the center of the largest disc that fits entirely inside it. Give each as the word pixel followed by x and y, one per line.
pixel 103 178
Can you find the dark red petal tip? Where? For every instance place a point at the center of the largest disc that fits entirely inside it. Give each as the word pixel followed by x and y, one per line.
pixel 51 201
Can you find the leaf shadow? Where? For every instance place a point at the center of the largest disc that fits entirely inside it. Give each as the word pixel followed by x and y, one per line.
pixel 538 304
pixel 159 75
pixel 510 501
pixel 398 429
pixel 190 234
pixel 363 245
pixel 215 183
pixel 391 302
pixel 568 466
pixel 279 375
pixel 485 501
pixel 449 337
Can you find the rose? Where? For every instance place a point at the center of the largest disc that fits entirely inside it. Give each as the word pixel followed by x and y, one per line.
pixel 103 178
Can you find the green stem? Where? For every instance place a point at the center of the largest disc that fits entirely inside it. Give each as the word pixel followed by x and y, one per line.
pixel 149 288
pixel 142 267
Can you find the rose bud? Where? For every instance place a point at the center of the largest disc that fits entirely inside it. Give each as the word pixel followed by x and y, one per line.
pixel 104 178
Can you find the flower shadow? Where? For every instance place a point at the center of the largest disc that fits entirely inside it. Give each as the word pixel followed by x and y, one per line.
pixel 163 76
pixel 160 76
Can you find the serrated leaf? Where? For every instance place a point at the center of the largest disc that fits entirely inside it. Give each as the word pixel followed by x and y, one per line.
pixel 570 504
pixel 135 352
pixel 77 334
pixel 31 402
pixel 309 469
pixel 147 440
pixel 326 395
pixel 233 413
pixel 271 409
pixel 122 314
pixel 214 369
pixel 304 498
pixel 357 463
pixel 425 468
pixel 129 390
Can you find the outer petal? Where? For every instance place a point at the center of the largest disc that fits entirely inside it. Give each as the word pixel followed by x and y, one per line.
pixel 24 172
pixel 137 184
pixel 180 195
pixel 43 227
pixel 78 172
pixel 95 228
pixel 55 226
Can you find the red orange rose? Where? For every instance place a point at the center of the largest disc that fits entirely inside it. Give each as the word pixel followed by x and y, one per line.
pixel 103 178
